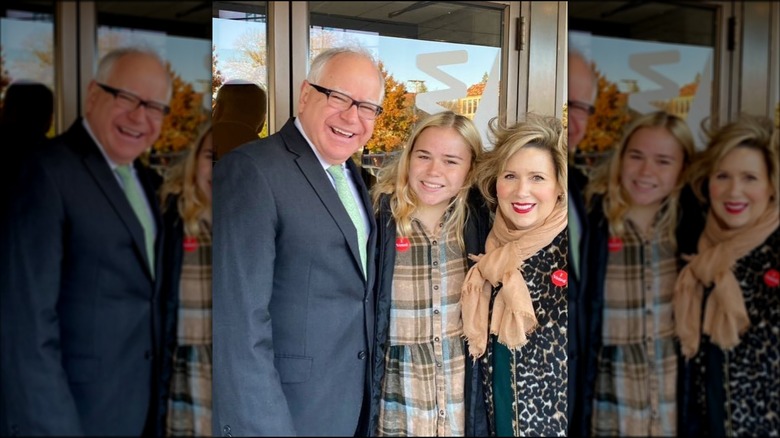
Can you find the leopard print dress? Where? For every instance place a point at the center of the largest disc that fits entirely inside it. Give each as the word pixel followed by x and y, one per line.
pixel 526 389
pixel 737 391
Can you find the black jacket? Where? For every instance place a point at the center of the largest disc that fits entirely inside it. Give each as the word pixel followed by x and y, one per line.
pixel 578 318
pixel 474 235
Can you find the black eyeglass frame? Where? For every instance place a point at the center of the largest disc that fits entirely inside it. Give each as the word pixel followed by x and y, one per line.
pixel 148 104
pixel 328 92
pixel 582 106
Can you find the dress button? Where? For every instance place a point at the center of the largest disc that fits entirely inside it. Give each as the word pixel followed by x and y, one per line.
pixel 438 364
pixel 436 339
pixel 435 242
pixel 435 263
pixel 436 288
pixel 441 412
pixel 361 355
pixel 435 311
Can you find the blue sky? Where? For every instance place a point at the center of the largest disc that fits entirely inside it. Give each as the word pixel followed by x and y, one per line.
pixel 398 54
pixel 190 57
pixel 611 58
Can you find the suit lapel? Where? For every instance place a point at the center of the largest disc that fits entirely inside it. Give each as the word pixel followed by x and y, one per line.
pixel 104 178
pixel 313 172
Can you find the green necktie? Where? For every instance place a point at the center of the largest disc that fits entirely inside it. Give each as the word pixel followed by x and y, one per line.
pixel 574 237
pixel 345 194
pixel 139 207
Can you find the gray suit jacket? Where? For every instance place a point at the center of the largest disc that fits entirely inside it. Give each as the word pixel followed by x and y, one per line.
pixel 79 309
pixel 292 311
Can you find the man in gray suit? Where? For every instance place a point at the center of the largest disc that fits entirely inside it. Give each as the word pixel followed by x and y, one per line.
pixel 80 271
pixel 293 311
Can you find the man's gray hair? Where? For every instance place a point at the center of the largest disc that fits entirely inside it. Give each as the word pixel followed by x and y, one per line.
pixel 321 60
pixel 576 54
pixel 107 63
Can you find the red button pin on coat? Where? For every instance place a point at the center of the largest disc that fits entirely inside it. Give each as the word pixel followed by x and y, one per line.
pixel 190 244
pixel 560 278
pixel 772 278
pixel 402 244
pixel 614 244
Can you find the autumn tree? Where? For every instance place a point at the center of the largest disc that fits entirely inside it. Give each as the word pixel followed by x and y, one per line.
pixel 690 89
pixel 216 76
pixel 5 78
pixel 393 126
pixel 477 89
pixel 180 126
pixel 605 126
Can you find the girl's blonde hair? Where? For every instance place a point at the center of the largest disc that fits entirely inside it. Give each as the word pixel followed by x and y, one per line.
pixel 748 131
pixel 605 179
pixel 181 179
pixel 536 131
pixel 393 179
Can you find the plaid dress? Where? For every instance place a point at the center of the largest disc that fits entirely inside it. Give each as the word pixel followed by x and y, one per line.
pixel 423 386
pixel 636 382
pixel 189 405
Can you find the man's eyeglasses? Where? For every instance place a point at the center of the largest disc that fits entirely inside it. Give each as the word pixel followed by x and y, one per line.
pixel 130 102
pixel 342 102
pixel 582 107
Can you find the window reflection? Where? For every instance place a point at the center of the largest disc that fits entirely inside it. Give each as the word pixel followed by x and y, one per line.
pixel 27 46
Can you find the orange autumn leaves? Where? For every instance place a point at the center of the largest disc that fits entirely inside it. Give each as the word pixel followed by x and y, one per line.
pixel 605 126
pixel 180 126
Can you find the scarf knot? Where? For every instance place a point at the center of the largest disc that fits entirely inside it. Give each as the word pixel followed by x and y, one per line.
pixel 725 314
pixel 513 317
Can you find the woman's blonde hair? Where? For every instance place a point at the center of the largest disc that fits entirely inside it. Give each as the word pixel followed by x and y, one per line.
pixel 536 131
pixel 605 179
pixel 393 178
pixel 182 179
pixel 747 131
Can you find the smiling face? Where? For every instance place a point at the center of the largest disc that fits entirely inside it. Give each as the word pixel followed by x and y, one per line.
pixel 527 189
pixel 204 166
pixel 125 134
pixel 438 166
pixel 650 167
pixel 739 188
pixel 335 133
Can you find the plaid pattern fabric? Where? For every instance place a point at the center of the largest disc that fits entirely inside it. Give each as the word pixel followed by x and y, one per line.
pixel 189 406
pixel 636 385
pixel 423 386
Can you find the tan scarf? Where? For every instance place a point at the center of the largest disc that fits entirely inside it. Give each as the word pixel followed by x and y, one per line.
pixel 725 315
pixel 513 312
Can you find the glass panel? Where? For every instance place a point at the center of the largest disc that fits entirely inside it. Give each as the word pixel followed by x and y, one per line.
pixel 239 51
pixel 27 46
pixel 649 56
pixel 181 33
pixel 436 56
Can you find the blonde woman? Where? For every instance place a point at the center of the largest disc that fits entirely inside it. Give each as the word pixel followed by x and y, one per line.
pixel 726 303
pixel 186 200
pixel 631 379
pixel 515 304
pixel 428 223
